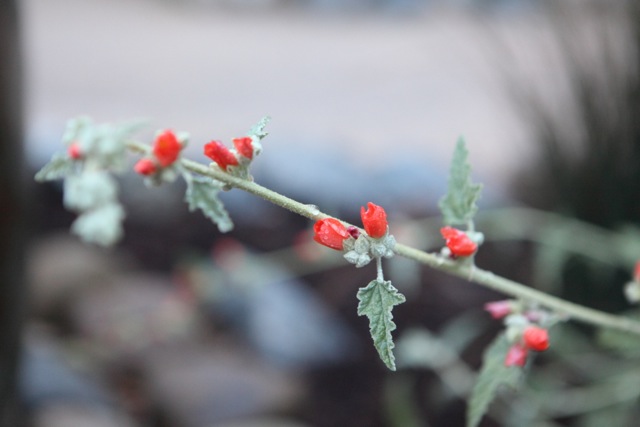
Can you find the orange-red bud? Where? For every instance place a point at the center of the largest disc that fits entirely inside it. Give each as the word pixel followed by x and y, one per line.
pixel 331 233
pixel 536 338
pixel 74 151
pixel 374 220
pixel 244 146
pixel 166 148
pixel 516 356
pixel 458 242
pixel 219 153
pixel 145 167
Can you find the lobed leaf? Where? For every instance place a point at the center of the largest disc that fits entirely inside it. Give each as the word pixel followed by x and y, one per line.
pixel 376 302
pixel 202 193
pixel 493 376
pixel 458 206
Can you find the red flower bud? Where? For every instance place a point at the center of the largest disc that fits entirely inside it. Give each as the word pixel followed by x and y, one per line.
pixel 244 146
pixel 636 272
pixel 74 151
pixel 499 309
pixel 330 232
pixel 145 167
pixel 374 220
pixel 536 338
pixel 516 356
pixel 166 148
pixel 219 153
pixel 458 242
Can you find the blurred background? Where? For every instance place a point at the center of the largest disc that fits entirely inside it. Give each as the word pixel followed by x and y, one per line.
pixel 182 326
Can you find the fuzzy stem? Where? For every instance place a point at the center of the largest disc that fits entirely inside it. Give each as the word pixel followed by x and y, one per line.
pixel 460 269
pixel 380 277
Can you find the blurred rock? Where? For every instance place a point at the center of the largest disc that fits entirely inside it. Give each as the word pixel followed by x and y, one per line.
pixel 286 322
pixel 200 386
pixel 131 313
pixel 46 376
pixel 59 265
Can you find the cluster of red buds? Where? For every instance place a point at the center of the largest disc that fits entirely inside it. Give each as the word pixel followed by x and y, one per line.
pixel 165 152
pixel 360 248
pixel 234 161
pixel 458 243
pixel 524 330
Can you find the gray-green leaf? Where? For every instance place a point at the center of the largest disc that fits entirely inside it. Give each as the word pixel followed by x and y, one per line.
pixel 258 128
pixel 493 376
pixel 58 167
pixel 202 193
pixel 376 302
pixel 102 225
pixel 458 206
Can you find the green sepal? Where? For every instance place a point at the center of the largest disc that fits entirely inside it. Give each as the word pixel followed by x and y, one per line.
pixel 376 302
pixel 202 193
pixel 458 206
pixel 493 376
pixel 60 166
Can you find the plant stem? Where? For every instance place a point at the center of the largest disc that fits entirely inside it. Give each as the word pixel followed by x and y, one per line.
pixel 380 275
pixel 464 270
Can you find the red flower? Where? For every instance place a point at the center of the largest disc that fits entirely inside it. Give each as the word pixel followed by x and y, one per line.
pixel 536 338
pixel 244 146
pixel 330 232
pixel 516 356
pixel 374 220
pixel 498 309
pixel 219 153
pixel 145 167
pixel 166 148
pixel 458 242
pixel 74 151
pixel 636 272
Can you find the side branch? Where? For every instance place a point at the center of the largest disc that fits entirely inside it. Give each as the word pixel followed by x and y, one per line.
pixel 469 272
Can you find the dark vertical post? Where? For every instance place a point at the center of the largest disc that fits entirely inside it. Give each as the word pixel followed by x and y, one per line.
pixel 12 212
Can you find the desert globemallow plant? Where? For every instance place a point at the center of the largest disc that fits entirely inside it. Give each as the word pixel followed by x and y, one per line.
pixel 96 152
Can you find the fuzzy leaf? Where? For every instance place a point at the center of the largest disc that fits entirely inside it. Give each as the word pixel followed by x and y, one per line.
pixel 202 193
pixel 258 128
pixel 493 376
pixel 376 302
pixel 102 225
pixel 58 167
pixel 458 206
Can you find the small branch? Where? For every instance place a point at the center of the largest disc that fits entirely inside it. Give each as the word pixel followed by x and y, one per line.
pixel 471 273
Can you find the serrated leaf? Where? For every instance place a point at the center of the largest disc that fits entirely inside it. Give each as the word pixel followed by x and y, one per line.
pixel 58 167
pixel 493 376
pixel 258 128
pixel 376 302
pixel 458 206
pixel 202 193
